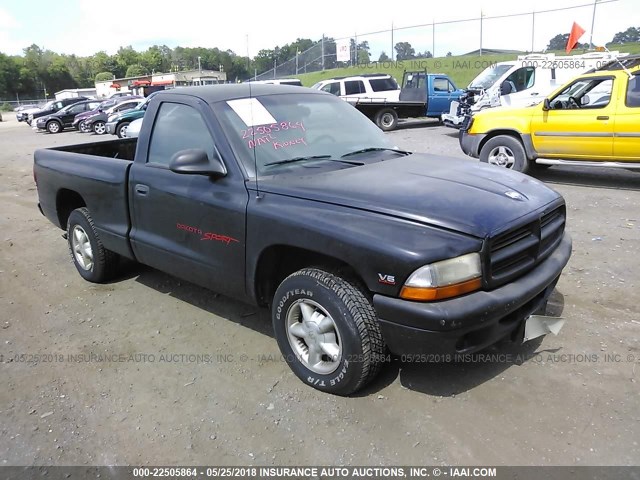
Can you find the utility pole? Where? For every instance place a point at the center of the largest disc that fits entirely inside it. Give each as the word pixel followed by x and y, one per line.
pixel 481 15
pixel 533 28
pixel 433 37
pixel 593 20
pixel 392 50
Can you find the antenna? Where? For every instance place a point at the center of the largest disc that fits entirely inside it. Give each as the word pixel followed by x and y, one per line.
pixel 253 139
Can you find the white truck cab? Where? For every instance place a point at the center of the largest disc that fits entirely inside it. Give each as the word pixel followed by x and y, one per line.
pixel 522 82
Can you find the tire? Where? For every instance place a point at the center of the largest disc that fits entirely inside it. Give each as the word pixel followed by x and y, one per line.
pixel 99 128
pixel 386 119
pixel 84 128
pixel 54 127
pixel 506 152
pixel 121 131
pixel 312 305
pixel 93 262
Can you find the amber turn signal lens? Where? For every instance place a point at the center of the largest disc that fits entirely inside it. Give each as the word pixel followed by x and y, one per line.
pixel 439 293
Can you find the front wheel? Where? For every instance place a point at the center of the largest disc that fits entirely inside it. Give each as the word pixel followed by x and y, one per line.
pixel 99 128
pixel 387 119
pixel 121 131
pixel 506 152
pixel 327 331
pixel 93 262
pixel 54 127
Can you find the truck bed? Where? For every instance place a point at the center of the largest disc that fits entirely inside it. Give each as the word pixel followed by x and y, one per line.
pixel 94 175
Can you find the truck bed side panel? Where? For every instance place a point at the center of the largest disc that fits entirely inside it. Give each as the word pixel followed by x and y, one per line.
pixel 101 182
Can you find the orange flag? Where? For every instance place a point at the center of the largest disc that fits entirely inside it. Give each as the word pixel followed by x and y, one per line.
pixel 576 32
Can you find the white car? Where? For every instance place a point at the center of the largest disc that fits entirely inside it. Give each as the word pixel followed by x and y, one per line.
pixel 133 130
pixel 373 86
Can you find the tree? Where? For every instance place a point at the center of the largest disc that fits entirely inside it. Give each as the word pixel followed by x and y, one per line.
pixel 383 57
pixel 134 71
pixel 631 34
pixel 426 54
pixel 449 54
pixel 404 51
pixel 9 77
pixel 559 42
pixel 104 77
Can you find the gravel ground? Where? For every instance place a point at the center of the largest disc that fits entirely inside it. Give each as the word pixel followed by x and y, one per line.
pixel 570 399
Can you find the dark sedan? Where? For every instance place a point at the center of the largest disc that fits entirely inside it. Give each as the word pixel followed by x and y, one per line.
pixel 56 122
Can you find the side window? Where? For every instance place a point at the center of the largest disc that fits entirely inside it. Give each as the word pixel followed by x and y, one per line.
pixel 633 92
pixel 451 87
pixel 76 109
pixel 177 127
pixel 584 93
pixel 353 87
pixel 522 79
pixel 383 84
pixel 440 85
pixel 333 88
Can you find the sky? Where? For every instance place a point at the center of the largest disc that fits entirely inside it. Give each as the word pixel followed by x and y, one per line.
pixel 83 27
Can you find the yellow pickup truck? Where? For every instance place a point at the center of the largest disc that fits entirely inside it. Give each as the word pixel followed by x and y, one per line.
pixel 594 120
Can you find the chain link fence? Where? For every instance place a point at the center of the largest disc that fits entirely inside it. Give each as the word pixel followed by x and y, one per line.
pixel 438 38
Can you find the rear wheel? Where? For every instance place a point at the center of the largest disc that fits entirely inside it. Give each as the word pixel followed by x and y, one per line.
pixel 84 128
pixel 99 128
pixel 121 131
pixel 54 127
pixel 327 330
pixel 387 119
pixel 506 152
pixel 93 262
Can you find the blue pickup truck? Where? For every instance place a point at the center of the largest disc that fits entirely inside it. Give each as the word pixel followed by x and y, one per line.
pixel 422 95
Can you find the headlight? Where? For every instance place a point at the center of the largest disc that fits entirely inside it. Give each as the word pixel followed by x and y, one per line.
pixel 111 118
pixel 445 279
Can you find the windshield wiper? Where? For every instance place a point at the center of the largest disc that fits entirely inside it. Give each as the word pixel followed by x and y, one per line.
pixel 311 157
pixel 376 149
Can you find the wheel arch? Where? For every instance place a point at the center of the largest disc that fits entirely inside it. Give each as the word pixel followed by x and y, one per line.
pixel 66 202
pixel 525 140
pixel 277 262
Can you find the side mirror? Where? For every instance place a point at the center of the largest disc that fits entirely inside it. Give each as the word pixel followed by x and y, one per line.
pixel 546 105
pixel 195 161
pixel 585 100
pixel 505 88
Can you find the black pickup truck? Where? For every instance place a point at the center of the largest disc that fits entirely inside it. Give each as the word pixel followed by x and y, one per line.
pixel 289 198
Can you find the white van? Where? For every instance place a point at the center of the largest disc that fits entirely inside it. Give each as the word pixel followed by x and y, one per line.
pixel 522 82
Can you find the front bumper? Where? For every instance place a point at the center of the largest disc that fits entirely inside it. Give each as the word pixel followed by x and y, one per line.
pixel 470 143
pixel 111 128
pixel 472 322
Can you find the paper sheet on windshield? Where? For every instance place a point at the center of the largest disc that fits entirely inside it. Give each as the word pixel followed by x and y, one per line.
pixel 251 111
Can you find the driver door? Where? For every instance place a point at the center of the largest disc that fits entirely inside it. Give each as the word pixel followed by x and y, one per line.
pixel 579 123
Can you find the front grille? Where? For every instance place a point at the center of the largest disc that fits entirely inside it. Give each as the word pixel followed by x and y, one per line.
pixel 512 253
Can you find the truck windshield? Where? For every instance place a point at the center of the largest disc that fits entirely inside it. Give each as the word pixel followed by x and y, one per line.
pixel 294 132
pixel 489 76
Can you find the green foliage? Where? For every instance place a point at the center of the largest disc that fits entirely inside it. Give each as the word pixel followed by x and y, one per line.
pixel 631 34
pixel 404 51
pixel 134 71
pixel 383 57
pixel 104 76
pixel 559 42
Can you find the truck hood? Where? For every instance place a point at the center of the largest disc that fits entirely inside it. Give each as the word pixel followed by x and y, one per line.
pixel 460 195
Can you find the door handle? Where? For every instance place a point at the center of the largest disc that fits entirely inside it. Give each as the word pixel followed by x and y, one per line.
pixel 534 94
pixel 141 189
pixel 602 117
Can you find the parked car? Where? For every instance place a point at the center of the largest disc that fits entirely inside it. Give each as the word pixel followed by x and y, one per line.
pixel 22 115
pixel 289 198
pixel 591 121
pixel 78 122
pixel 63 118
pixel 133 130
pixel 378 86
pixel 53 107
pixel 97 122
pixel 117 123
